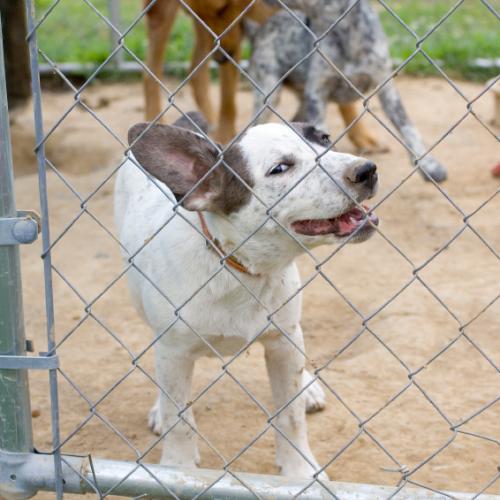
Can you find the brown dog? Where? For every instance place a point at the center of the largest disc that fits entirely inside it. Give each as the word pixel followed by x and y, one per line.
pixel 218 15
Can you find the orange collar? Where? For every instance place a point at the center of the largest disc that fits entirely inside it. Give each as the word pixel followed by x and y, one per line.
pixel 216 247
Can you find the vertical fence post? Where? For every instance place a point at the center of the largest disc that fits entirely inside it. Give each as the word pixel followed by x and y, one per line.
pixel 46 255
pixel 15 412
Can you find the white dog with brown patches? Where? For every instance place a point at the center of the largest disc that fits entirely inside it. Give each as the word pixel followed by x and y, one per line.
pixel 197 311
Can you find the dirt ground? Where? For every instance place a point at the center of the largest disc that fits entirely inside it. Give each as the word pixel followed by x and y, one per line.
pixel 416 218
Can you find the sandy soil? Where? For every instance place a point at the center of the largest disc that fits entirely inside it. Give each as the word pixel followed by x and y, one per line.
pixel 416 218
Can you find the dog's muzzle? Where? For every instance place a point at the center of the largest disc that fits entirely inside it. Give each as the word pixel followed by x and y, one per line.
pixel 365 174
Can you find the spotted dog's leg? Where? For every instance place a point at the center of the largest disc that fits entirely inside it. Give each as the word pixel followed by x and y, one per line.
pixel 266 78
pixel 300 114
pixel 317 89
pixel 393 108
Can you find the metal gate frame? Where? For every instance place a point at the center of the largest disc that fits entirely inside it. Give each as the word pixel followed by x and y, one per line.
pixel 23 471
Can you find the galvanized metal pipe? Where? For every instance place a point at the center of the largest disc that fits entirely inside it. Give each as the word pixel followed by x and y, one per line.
pixel 34 472
pixel 15 412
pixel 47 259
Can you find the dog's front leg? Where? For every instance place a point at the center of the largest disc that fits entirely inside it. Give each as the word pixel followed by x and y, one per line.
pixel 266 75
pixel 316 91
pixel 174 371
pixel 229 78
pixel 159 21
pixel 200 80
pixel 393 108
pixel 285 365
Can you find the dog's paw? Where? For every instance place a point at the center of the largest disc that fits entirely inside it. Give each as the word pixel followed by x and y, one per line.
pixel 432 168
pixel 314 394
pixel 372 145
pixel 179 462
pixel 323 476
pixel 154 424
pixel 304 470
pixel 365 142
pixel 154 418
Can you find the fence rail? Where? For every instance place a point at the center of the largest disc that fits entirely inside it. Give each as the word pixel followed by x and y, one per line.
pixel 35 472
pixel 24 472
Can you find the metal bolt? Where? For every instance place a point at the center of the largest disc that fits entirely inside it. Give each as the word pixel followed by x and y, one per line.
pixel 25 231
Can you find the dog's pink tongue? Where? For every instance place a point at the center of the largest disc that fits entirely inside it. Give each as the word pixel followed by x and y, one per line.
pixel 346 224
pixel 314 227
pixel 321 226
pixel 343 225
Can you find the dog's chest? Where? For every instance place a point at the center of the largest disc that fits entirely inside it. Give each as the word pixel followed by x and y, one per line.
pixel 245 310
pixel 221 313
pixel 227 315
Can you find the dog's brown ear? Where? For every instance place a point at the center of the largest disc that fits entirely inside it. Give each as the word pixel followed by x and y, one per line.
pixel 179 158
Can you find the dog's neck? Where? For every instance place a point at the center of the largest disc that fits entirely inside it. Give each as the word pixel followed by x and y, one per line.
pixel 260 258
pixel 231 260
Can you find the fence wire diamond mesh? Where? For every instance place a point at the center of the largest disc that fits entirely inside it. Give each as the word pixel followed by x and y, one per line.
pixel 101 411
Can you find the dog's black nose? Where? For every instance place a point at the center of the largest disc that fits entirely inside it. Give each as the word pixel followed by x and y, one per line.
pixel 366 173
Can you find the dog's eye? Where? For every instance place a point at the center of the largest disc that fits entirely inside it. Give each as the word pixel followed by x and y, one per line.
pixel 279 169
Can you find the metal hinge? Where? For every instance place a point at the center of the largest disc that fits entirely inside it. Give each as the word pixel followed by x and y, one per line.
pixel 19 230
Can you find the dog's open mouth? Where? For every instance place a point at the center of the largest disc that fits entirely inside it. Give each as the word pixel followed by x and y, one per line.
pixel 343 225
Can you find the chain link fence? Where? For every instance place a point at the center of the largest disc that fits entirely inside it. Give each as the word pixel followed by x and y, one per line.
pixel 381 386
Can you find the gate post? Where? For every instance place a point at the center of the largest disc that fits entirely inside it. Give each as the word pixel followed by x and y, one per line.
pixel 15 411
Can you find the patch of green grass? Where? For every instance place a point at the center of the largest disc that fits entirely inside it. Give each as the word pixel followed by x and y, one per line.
pixel 74 33
pixel 470 32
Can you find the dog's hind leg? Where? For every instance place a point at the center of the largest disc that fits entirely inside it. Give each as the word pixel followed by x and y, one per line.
pixel 361 136
pixel 317 90
pixel 265 72
pixel 159 21
pixel 285 365
pixel 393 108
pixel 265 101
pixel 174 371
pixel 314 394
pixel 300 114
pixel 154 418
